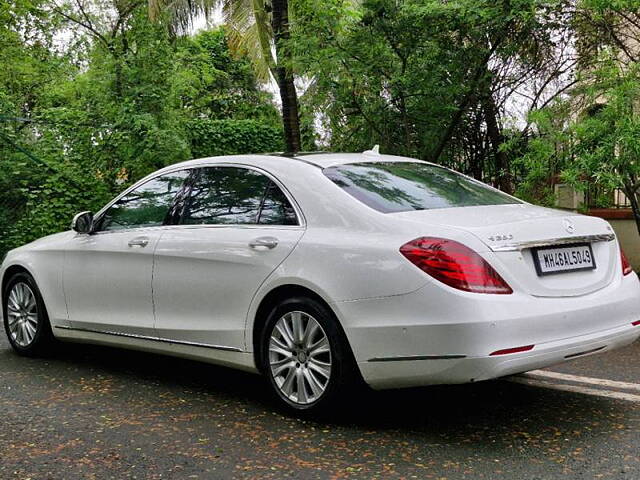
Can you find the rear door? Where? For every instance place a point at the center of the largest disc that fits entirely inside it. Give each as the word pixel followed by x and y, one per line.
pixel 237 225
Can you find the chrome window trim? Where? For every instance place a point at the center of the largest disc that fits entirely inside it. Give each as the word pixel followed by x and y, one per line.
pixel 191 227
pixel 514 247
pixel 146 337
pixel 302 222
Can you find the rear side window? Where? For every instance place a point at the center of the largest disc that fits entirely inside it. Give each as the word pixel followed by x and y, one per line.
pixel 236 196
pixel 404 186
pixel 276 209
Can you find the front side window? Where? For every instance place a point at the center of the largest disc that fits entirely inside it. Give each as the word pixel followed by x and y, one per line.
pixel 236 196
pixel 147 205
pixel 404 186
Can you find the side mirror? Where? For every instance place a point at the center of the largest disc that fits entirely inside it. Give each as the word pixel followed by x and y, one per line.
pixel 82 222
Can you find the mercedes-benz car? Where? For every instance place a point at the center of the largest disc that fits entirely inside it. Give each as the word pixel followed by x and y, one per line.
pixel 322 270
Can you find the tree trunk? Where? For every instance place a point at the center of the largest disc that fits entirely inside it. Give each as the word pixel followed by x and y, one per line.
pixel 632 195
pixel 284 76
pixel 290 119
pixel 480 70
pixel 503 180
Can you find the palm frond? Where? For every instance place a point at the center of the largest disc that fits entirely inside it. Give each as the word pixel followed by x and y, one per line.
pixel 180 13
pixel 249 33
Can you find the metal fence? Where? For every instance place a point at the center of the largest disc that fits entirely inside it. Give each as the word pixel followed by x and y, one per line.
pixel 599 198
pixel 620 200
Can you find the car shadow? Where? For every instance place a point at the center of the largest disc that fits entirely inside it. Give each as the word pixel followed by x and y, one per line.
pixel 473 413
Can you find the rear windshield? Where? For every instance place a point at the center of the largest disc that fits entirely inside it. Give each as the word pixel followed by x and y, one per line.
pixel 404 186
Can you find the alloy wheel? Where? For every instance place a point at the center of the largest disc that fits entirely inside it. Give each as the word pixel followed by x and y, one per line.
pixel 300 357
pixel 22 314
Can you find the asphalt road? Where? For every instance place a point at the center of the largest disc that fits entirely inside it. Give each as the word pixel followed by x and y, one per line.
pixel 93 412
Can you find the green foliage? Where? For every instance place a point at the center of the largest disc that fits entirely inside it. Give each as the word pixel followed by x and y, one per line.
pixel 49 207
pixel 421 78
pixel 109 108
pixel 600 147
pixel 210 82
pixel 121 95
pixel 228 137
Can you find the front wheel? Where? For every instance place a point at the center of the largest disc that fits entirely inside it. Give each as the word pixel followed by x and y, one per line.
pixel 25 317
pixel 305 356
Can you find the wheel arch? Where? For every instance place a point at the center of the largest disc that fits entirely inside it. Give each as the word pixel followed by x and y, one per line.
pixel 272 298
pixel 9 272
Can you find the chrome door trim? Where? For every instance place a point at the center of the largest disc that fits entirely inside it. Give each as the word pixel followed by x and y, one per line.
pixel 513 247
pixel 161 228
pixel 146 337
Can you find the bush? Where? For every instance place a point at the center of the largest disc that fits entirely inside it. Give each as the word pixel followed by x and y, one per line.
pixel 228 137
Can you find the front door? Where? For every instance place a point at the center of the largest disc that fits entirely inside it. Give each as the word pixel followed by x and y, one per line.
pixel 237 226
pixel 107 274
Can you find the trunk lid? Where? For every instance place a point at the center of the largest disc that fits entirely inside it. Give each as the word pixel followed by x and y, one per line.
pixel 511 232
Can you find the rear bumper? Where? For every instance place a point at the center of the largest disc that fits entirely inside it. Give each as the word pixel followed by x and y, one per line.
pixel 407 373
pixel 454 333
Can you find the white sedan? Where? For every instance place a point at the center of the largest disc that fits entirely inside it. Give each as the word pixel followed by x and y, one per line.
pixel 319 270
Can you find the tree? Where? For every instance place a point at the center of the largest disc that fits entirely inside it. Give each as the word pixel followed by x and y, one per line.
pixel 590 137
pixel 257 29
pixel 427 78
pixel 80 123
pixel 212 82
pixel 601 146
pixel 606 24
pixel 31 69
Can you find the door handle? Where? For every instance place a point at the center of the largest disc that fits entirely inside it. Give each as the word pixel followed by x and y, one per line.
pixel 264 242
pixel 139 242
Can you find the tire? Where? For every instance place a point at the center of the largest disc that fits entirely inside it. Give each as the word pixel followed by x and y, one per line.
pixel 26 321
pixel 287 358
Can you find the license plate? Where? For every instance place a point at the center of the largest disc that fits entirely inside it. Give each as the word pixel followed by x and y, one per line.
pixel 570 258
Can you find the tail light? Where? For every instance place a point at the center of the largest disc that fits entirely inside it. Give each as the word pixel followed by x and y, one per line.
pixel 454 264
pixel 626 266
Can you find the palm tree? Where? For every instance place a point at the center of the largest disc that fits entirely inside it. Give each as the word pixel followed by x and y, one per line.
pixel 257 29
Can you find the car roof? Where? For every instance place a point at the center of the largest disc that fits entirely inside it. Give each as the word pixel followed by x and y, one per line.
pixel 316 159
pixel 325 159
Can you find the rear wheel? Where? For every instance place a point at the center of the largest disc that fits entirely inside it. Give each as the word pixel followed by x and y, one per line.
pixel 25 317
pixel 305 356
